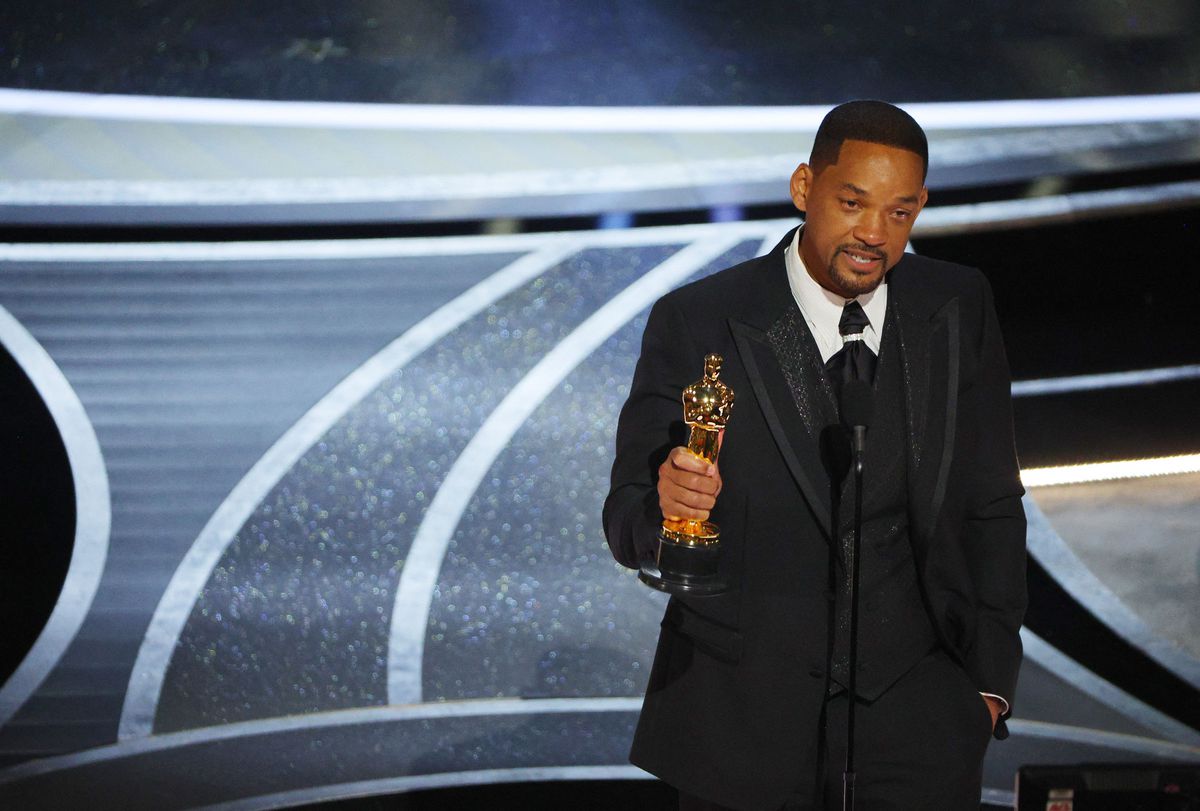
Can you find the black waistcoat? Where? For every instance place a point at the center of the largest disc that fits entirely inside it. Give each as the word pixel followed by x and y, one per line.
pixel 894 629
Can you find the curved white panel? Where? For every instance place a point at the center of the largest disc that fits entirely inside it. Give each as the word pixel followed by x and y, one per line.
pixel 145 684
pixel 410 614
pixel 1070 671
pixel 1052 552
pixel 93 514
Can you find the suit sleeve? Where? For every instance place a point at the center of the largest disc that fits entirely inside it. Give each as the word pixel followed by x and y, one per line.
pixel 651 423
pixel 994 537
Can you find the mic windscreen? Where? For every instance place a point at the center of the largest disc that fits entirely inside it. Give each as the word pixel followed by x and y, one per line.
pixel 858 403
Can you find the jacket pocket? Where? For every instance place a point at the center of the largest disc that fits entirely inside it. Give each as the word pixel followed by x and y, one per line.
pixel 708 635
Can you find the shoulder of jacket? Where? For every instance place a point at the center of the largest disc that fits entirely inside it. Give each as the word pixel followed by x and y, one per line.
pixel 723 286
pixel 937 277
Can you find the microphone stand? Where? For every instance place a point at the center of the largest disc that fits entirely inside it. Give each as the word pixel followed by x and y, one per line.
pixel 848 776
pixel 858 403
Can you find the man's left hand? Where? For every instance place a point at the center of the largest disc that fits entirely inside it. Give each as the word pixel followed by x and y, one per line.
pixel 995 708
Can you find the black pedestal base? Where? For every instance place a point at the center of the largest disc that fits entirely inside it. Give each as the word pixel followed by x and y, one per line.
pixel 684 569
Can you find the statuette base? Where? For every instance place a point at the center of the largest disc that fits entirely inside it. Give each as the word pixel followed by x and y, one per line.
pixel 684 568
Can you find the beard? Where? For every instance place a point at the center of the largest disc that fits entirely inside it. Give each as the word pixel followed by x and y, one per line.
pixel 856 283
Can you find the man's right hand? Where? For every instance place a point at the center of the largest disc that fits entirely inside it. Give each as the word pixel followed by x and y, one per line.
pixel 688 486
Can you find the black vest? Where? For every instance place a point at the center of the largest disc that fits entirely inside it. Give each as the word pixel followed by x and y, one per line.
pixel 894 627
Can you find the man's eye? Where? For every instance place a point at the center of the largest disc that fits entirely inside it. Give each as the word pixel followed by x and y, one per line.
pixel 850 203
pixel 903 215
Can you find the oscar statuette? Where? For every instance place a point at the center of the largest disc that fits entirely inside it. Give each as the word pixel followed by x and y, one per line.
pixel 688 550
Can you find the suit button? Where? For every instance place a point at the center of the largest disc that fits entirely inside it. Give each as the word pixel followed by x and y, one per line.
pixel 817 673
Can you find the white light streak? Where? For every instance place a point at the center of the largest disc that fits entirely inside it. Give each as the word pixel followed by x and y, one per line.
pixel 967 115
pixel 1111 380
pixel 1108 471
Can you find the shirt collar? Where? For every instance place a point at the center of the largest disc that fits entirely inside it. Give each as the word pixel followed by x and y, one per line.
pixel 822 308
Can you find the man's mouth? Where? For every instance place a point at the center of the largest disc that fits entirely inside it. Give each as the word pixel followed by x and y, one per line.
pixel 861 260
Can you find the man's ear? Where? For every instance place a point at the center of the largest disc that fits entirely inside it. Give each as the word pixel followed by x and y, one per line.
pixel 923 199
pixel 802 180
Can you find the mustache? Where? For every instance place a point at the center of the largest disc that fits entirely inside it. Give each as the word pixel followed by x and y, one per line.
pixel 864 250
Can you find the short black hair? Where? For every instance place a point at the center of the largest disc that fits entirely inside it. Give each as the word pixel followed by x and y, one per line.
pixel 875 122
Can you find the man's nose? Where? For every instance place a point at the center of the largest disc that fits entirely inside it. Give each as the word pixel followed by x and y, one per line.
pixel 871 230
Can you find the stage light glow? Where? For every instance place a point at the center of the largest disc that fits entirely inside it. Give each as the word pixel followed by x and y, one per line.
pixel 958 115
pixel 1109 380
pixel 1108 471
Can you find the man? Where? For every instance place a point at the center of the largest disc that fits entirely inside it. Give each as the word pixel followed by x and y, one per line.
pixel 746 705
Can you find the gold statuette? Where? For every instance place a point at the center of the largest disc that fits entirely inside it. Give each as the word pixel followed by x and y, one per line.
pixel 688 549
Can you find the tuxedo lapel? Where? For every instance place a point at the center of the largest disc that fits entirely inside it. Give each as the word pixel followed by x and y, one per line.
pixel 777 351
pixel 794 433
pixel 799 359
pixel 782 364
pixel 929 348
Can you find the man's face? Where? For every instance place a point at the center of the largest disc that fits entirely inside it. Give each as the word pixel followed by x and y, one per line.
pixel 858 214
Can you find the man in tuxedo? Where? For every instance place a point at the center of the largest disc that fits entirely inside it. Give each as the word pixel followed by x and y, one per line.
pixel 746 704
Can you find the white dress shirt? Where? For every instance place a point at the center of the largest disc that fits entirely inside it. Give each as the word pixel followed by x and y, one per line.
pixel 822 310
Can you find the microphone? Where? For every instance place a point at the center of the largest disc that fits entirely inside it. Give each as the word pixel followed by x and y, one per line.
pixel 857 409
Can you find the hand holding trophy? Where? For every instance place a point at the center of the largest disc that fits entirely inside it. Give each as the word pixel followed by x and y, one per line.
pixel 689 549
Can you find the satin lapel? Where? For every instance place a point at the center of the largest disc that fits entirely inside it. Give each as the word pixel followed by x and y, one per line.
pixel 930 353
pixel 792 432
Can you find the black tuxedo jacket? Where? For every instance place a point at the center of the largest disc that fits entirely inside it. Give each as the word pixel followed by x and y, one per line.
pixel 738 681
